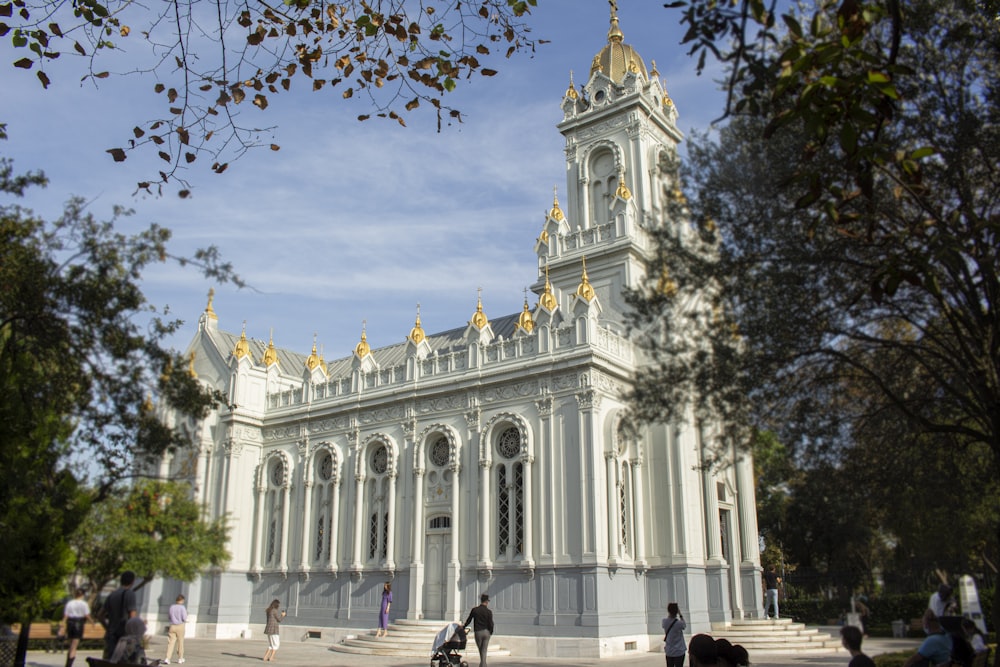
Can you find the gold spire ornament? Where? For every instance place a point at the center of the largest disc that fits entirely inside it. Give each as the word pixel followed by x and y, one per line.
pixel 417 334
pixel 208 309
pixel 479 319
pixel 314 361
pixel 585 290
pixel 622 192
pixel 271 353
pixel 362 349
pixel 191 370
pixel 556 212
pixel 525 322
pixel 571 90
pixel 548 300
pixel 242 348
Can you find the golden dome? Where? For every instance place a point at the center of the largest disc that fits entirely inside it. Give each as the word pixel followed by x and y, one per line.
pixel 617 58
pixel 314 361
pixel 270 354
pixel 585 290
pixel 556 212
pixel 548 300
pixel 571 91
pixel 417 332
pixel 653 72
pixel 479 319
pixel 362 349
pixel 242 348
pixel 525 321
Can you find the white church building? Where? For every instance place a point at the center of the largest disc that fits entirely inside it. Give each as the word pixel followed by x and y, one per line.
pixel 489 458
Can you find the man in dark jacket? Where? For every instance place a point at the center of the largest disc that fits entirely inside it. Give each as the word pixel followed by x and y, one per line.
pixel 118 609
pixel 482 619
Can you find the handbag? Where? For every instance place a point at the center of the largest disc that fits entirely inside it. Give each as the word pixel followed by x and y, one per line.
pixel 667 633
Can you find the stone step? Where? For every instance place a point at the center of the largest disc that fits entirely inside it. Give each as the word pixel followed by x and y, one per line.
pixel 777 636
pixel 405 638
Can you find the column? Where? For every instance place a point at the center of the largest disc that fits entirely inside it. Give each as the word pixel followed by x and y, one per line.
pixel 747 508
pixel 257 552
pixel 359 501
pixel 614 516
pixel 286 501
pixel 710 498
pixel 307 529
pixel 390 562
pixel 416 609
pixel 455 505
pixel 484 512
pixel 333 560
pixel 639 488
pixel 418 516
pixel 528 555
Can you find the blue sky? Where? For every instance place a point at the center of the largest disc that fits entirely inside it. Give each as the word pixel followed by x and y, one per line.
pixel 353 221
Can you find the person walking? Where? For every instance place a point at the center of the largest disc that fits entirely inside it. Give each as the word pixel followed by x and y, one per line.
pixel 850 637
pixel 383 614
pixel 118 609
pixel 75 614
pixel 178 616
pixel 482 619
pixel 771 584
pixel 274 617
pixel 674 645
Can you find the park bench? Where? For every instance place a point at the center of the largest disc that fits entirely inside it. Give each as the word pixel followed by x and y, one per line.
pixel 51 630
pixel 47 634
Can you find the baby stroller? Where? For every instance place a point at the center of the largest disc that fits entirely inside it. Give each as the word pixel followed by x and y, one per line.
pixel 447 644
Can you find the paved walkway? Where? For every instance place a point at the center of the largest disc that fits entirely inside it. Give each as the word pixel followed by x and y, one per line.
pixel 248 652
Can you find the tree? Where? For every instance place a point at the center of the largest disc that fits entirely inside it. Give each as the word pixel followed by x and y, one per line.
pixel 846 263
pixel 153 528
pixel 81 355
pixel 209 58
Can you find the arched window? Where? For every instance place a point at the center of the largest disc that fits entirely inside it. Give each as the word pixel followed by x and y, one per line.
pixel 510 495
pixel 273 500
pixel 624 481
pixel 325 522
pixel 376 486
pixel 603 184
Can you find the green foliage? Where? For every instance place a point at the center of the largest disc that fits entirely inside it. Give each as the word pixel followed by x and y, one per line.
pixel 81 357
pixel 209 63
pixel 154 529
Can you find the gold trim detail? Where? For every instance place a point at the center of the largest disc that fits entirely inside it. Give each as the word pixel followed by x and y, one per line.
pixel 548 300
pixel 363 349
pixel 479 319
pixel 208 309
pixel 417 334
pixel 242 347
pixel 585 290
pixel 270 354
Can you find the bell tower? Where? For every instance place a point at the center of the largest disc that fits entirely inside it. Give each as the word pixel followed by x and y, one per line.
pixel 620 128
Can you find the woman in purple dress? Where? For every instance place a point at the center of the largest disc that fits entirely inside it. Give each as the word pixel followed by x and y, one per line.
pixel 383 614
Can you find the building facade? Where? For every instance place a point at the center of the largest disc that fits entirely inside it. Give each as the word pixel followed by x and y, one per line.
pixel 494 457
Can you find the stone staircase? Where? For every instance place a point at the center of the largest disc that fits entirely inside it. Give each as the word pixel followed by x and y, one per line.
pixel 410 639
pixel 777 637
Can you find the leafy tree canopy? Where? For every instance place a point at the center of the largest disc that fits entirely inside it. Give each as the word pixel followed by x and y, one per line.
pixel 153 528
pixel 82 357
pixel 210 60
pixel 842 266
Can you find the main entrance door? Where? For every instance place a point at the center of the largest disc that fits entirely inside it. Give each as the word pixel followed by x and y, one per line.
pixel 438 548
